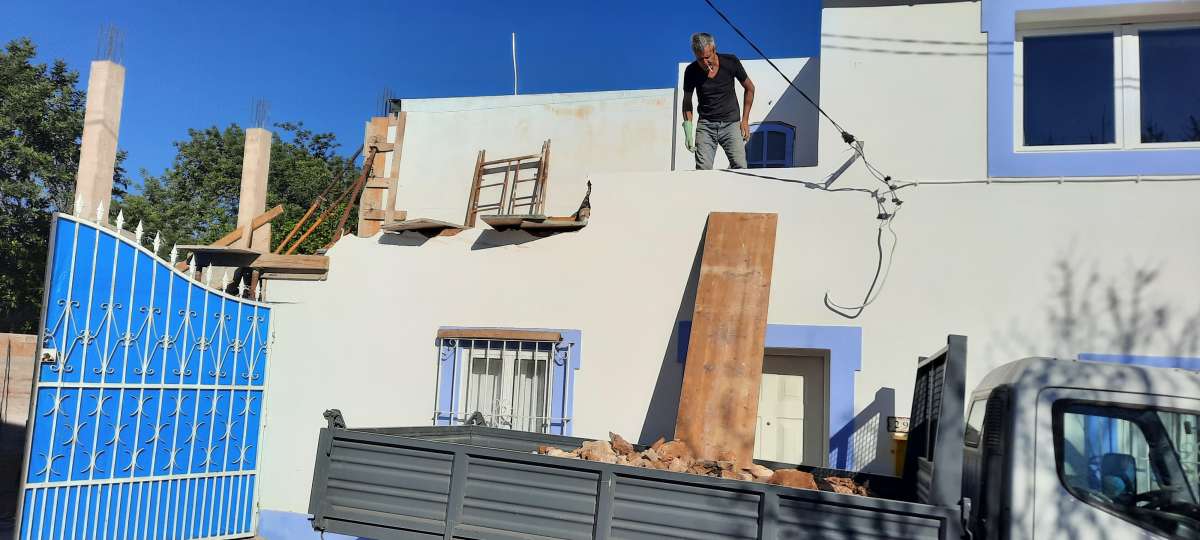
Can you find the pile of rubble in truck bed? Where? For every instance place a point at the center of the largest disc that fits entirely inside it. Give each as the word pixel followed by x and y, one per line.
pixel 676 456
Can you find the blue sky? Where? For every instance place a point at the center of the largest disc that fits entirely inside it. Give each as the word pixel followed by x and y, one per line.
pixel 196 64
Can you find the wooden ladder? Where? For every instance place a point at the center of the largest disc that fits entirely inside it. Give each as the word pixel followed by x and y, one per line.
pixel 511 201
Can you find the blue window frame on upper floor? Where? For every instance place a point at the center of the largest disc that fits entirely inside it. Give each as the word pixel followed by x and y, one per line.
pixel 1100 88
pixel 770 145
pixel 1126 86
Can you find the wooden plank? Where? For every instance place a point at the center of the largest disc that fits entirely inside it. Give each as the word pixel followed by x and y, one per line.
pixel 381 215
pixel 270 262
pixel 400 120
pixel 423 225
pixel 285 276
pixel 499 333
pixel 258 221
pixel 372 199
pixel 718 403
pixel 216 250
pixel 473 198
pixel 509 221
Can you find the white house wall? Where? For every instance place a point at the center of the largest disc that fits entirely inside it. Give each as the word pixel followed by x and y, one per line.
pixel 988 261
pixel 590 133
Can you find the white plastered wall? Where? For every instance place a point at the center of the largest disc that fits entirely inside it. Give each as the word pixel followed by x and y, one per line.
pixel 973 259
pixel 590 133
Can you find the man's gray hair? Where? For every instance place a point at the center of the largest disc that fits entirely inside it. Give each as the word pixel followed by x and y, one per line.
pixel 702 40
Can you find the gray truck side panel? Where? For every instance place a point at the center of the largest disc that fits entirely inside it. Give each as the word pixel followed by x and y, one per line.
pixel 482 483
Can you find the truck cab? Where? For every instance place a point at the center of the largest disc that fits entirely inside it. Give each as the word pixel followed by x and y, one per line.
pixel 1058 448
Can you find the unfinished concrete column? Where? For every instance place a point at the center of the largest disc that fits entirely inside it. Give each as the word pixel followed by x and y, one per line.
pixel 256 165
pixel 370 203
pixel 98 148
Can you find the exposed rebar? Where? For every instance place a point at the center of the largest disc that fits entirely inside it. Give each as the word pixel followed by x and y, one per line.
pixel 110 43
pixel 260 110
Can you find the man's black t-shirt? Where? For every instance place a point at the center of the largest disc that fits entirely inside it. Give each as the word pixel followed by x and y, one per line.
pixel 718 102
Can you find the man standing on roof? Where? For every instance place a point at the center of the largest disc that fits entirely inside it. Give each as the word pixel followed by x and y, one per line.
pixel 711 76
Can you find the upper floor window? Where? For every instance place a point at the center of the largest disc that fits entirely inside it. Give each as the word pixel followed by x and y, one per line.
pixel 770 145
pixel 1110 87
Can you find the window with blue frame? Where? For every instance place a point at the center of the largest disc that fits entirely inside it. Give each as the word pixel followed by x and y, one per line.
pixel 770 145
pixel 1122 86
pixel 506 378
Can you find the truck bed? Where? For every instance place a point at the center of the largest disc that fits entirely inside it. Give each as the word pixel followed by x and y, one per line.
pixel 485 483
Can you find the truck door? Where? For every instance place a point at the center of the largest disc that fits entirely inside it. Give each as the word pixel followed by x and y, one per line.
pixel 1115 465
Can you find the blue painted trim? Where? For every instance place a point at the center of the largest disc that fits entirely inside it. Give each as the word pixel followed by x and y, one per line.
pixel 567 356
pixel 844 344
pixel 789 143
pixel 999 21
pixel 1178 362
pixel 279 525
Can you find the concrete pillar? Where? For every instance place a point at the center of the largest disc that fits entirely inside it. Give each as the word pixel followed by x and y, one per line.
pixel 98 148
pixel 256 164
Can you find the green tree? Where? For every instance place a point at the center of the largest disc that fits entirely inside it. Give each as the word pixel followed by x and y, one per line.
pixel 195 201
pixel 41 121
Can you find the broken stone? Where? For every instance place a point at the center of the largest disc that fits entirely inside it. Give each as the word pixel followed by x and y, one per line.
pixel 730 475
pixel 657 444
pixel 846 486
pixel 725 465
pixel 760 471
pixel 621 445
pixel 637 461
pixel 745 476
pixel 675 449
pixel 677 465
pixel 650 455
pixel 793 478
pixel 554 452
pixel 600 451
pixel 543 449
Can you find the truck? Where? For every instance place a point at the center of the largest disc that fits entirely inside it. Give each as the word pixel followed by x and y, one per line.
pixel 1045 448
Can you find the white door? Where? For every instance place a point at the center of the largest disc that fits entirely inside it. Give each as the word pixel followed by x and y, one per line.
pixel 792 409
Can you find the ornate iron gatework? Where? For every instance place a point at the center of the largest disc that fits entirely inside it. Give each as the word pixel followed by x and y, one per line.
pixel 147 399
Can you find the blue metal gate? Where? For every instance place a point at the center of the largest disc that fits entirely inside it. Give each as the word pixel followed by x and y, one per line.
pixel 147 399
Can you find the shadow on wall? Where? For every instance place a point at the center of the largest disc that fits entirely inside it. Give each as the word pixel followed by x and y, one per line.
pixel 1122 310
pixel 792 109
pixel 864 443
pixel 664 403
pixel 1125 312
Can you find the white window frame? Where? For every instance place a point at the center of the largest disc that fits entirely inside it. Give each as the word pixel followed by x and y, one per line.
pixel 509 354
pixel 1127 111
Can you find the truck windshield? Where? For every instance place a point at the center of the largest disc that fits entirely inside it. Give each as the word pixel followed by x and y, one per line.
pixel 1138 463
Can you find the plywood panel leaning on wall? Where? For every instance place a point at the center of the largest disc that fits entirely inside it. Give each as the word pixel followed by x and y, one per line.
pixel 718 402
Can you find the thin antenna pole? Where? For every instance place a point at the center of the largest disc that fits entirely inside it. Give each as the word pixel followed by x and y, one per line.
pixel 514 49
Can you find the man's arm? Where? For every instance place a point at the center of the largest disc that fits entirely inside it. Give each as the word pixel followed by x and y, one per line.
pixel 748 99
pixel 689 140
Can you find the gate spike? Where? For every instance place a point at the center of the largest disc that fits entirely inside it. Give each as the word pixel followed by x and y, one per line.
pixel 99 214
pixel 241 288
pixel 120 219
pixel 78 207
pixel 174 254
pixel 191 267
pixel 208 276
pixel 259 291
pixel 137 233
pixel 157 243
pixel 225 279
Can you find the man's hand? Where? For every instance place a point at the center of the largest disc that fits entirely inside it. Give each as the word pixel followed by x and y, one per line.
pixel 689 138
pixel 745 130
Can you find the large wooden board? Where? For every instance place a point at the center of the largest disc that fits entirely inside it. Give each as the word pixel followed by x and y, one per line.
pixel 718 403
